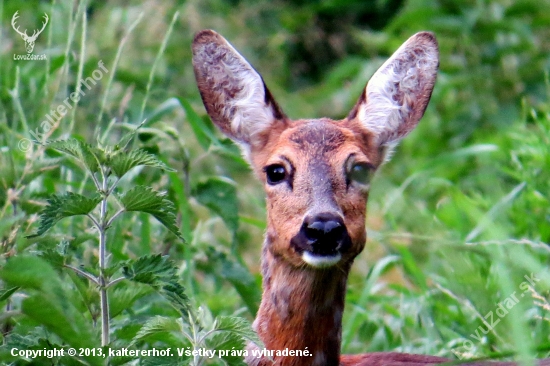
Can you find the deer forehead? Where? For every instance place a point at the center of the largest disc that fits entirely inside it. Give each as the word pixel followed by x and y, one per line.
pixel 314 142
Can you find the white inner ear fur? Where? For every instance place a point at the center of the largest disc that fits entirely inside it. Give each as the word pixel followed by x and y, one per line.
pixel 241 98
pixel 250 114
pixel 397 94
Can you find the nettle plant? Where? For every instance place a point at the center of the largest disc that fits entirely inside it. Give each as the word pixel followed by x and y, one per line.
pixel 106 166
pixel 193 330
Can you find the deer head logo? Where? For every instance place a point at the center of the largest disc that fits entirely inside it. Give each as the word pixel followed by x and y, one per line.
pixel 29 40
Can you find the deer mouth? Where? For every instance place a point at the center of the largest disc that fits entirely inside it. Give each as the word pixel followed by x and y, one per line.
pixel 321 261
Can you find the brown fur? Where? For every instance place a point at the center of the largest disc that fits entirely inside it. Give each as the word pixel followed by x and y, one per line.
pixel 303 302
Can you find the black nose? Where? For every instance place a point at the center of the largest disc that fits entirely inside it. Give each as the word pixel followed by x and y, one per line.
pixel 324 228
pixel 322 234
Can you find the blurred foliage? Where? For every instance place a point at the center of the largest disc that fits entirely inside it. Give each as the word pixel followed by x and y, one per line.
pixel 456 221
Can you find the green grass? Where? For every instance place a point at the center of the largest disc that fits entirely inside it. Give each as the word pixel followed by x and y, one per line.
pixel 455 222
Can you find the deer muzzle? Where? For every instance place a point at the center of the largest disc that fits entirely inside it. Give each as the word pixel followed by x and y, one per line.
pixel 322 239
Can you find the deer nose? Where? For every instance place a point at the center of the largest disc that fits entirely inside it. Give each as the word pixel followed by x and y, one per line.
pixel 324 229
pixel 321 236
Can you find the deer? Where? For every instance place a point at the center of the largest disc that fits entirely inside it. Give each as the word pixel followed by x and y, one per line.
pixel 316 174
pixel 29 40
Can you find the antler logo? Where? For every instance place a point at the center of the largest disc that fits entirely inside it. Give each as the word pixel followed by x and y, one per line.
pixel 29 40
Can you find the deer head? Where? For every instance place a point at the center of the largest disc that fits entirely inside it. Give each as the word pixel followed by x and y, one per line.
pixel 316 172
pixel 29 40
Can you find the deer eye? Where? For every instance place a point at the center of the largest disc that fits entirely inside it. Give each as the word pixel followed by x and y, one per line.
pixel 360 173
pixel 275 174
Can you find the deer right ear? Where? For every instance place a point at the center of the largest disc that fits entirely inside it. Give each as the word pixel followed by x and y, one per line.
pixel 398 93
pixel 233 93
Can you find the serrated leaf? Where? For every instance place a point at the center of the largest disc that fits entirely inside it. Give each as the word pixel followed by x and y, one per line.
pixel 27 341
pixel 141 198
pixel 59 207
pixel 122 298
pixel 220 196
pixel 111 270
pixel 238 326
pixel 155 325
pixel 56 256
pixel 160 273
pixel 227 341
pixel 145 199
pixel 36 339
pixel 91 157
pixel 174 292
pixel 123 161
pixel 150 269
pixel 53 257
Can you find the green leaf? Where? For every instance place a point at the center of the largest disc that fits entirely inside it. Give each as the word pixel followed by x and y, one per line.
pixel 128 137
pixel 238 275
pixel 30 272
pixel 155 325
pixel 238 326
pixel 53 257
pixel 203 135
pixel 47 302
pixel 220 196
pixel 35 339
pixel 243 281
pixel 59 207
pixel 122 298
pixel 230 332
pixel 166 107
pixel 164 361
pixel 150 269
pixel 123 161
pixel 160 273
pixel 413 272
pixel 227 341
pixel 41 308
pixel 85 153
pixel 57 255
pixel 145 199
pixel 5 294
pixel 87 291
pixel 174 292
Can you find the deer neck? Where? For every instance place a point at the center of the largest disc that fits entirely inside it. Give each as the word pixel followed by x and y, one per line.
pixel 301 309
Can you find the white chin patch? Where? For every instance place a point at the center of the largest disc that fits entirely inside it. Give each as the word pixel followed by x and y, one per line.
pixel 321 261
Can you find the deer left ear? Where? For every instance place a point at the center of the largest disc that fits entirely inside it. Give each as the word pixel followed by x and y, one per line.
pixel 233 93
pixel 398 93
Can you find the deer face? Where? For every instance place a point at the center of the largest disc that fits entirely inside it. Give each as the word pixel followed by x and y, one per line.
pixel 316 172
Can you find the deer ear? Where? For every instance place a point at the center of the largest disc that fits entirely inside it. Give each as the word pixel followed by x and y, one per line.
pixel 233 93
pixel 397 94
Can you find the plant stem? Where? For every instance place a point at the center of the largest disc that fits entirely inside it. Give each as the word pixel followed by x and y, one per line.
pixel 102 265
pixel 103 293
pixel 89 276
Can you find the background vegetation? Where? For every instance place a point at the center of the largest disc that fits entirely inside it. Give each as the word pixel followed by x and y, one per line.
pixel 456 221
